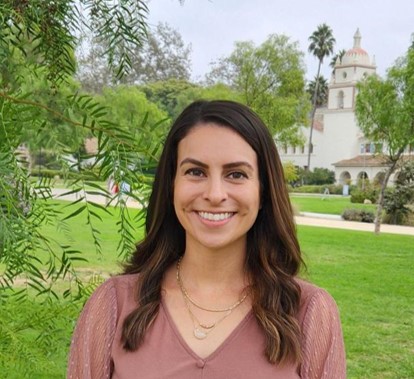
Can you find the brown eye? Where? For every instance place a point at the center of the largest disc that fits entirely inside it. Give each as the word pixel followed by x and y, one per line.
pixel 237 175
pixel 194 172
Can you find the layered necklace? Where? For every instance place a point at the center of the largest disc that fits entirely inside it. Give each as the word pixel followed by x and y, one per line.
pixel 202 330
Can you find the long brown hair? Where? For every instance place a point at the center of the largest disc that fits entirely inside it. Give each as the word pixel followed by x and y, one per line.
pixel 273 253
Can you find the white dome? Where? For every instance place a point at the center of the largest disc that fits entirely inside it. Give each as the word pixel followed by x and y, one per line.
pixel 356 55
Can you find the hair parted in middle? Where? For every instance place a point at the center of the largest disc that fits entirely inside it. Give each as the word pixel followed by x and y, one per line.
pixel 273 253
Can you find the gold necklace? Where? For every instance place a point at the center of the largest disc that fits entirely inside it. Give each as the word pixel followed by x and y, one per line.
pixel 188 297
pixel 201 330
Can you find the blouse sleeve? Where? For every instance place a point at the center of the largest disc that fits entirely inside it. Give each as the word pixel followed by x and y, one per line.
pixel 323 345
pixel 90 350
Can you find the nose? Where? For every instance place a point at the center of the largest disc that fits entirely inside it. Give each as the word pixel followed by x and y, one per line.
pixel 215 190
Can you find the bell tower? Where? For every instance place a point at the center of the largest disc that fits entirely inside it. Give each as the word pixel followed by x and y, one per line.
pixel 354 66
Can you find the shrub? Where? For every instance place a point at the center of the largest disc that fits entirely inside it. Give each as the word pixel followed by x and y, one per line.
pixel 358 195
pixel 399 200
pixel 48 173
pixel 359 215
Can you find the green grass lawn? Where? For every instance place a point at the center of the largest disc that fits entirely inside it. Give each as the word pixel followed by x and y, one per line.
pixel 81 239
pixel 370 276
pixel 326 204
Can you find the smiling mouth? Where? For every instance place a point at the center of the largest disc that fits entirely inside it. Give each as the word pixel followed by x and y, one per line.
pixel 215 216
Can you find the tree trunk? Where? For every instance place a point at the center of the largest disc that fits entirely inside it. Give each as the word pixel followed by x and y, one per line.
pixel 380 205
pixel 315 95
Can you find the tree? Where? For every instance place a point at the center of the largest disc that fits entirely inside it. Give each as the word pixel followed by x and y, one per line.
pixel 269 79
pixel 337 57
pixel 397 200
pixel 162 56
pixel 321 46
pixel 385 113
pixel 38 40
pixel 322 91
pixel 174 95
pixel 290 171
pixel 167 94
pixel 130 108
pixel 165 56
pixel 45 34
pixel 53 135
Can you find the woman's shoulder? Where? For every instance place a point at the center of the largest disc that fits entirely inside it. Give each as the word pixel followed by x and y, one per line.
pixel 309 289
pixel 122 281
pixel 314 298
pixel 119 290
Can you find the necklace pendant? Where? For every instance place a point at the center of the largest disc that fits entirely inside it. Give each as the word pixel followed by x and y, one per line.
pixel 199 334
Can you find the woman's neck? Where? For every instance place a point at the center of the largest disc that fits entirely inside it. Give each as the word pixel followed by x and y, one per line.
pixel 213 270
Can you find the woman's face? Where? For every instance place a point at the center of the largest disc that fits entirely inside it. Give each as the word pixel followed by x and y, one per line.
pixel 216 188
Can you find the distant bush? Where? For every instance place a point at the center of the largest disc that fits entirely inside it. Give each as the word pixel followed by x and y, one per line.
pixel 358 195
pixel 359 215
pixel 49 173
pixel 399 201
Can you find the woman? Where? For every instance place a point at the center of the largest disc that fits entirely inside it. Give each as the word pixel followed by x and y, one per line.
pixel 212 291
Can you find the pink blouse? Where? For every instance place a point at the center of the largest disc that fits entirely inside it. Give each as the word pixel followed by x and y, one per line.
pixel 96 351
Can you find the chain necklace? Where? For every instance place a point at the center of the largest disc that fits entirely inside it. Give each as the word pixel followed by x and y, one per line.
pixel 201 330
pixel 188 297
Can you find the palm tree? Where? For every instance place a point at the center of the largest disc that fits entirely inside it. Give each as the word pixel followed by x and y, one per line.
pixel 322 93
pixel 321 46
pixel 340 54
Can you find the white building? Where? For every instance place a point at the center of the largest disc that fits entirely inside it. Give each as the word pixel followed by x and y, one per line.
pixel 338 143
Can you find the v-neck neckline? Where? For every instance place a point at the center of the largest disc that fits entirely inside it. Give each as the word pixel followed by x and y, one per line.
pixel 220 347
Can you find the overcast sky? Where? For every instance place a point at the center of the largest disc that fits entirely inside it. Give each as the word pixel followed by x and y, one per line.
pixel 212 26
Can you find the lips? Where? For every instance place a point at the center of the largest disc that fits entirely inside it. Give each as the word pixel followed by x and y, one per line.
pixel 215 216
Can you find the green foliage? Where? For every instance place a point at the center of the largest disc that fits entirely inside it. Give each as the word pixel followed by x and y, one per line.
pixel 317 176
pixel 321 42
pixel 270 79
pixel 385 113
pixel 359 215
pixel 398 199
pixel 129 108
pixel 359 194
pixel 42 107
pixel 174 95
pixel 86 174
pixel 322 90
pixel 171 95
pixel 290 172
pixel 34 337
pixel 337 57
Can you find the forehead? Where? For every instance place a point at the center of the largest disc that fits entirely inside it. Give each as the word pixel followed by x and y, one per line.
pixel 213 140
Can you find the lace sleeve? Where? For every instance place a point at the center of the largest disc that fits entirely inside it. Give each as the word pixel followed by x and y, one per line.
pixel 89 356
pixel 323 346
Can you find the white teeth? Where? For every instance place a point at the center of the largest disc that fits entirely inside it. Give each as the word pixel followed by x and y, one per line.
pixel 215 216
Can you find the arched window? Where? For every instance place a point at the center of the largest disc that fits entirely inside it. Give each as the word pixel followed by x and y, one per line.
pixel 341 99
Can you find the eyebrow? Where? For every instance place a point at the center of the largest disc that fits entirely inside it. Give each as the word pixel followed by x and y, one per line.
pixel 226 166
